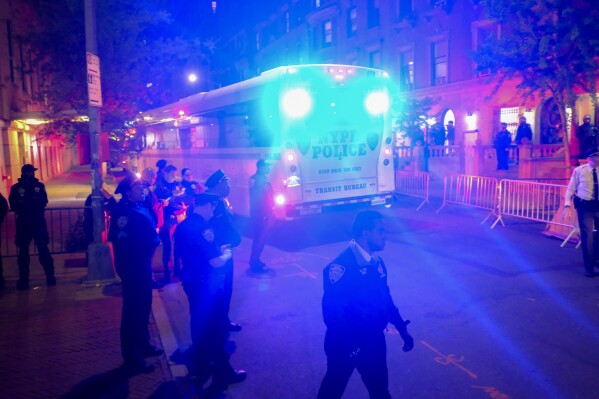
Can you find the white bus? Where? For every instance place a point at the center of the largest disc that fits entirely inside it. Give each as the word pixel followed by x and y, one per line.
pixel 325 128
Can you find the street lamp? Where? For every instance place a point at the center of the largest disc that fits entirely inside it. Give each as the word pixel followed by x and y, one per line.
pixel 192 77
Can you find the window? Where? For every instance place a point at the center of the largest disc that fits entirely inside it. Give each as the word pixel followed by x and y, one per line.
pixel 439 63
pixel 482 35
pixel 403 9
pixel 406 78
pixel 373 13
pixel 327 33
pixel 352 21
pixel 510 116
pixel 374 59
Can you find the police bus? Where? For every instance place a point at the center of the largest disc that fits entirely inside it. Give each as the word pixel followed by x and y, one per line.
pixel 324 128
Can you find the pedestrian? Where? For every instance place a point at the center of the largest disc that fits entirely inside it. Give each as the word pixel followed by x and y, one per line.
pixel 450 133
pixel 108 203
pixel 356 307
pixel 261 213
pixel 3 213
pixel 587 135
pixel 583 191
pixel 28 200
pixel 524 132
pixel 160 165
pixel 134 240
pixel 190 186
pixel 502 144
pixel 225 229
pixel 203 277
pixel 169 190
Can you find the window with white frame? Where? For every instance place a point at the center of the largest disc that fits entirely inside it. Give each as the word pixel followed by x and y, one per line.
pixel 406 78
pixel 352 21
pixel 510 115
pixel 327 33
pixel 439 63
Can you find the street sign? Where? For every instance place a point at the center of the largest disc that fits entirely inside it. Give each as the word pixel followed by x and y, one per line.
pixel 94 87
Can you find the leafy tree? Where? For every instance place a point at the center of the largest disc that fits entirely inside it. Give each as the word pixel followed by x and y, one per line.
pixel 549 46
pixel 411 116
pixel 142 59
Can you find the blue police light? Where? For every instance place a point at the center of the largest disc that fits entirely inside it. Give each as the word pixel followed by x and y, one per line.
pixel 377 103
pixel 296 103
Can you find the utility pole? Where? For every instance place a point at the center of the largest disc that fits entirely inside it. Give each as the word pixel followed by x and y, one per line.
pixel 99 260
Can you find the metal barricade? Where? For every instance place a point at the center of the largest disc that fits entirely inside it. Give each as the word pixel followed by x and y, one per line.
pixel 529 200
pixel 65 228
pixel 414 184
pixel 472 191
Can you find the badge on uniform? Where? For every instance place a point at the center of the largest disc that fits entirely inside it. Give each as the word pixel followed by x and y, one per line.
pixel 37 189
pixel 122 221
pixel 208 235
pixel 22 192
pixel 336 272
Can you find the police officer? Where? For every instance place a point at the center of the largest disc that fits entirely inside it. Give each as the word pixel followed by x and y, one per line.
pixel 356 308
pixel 587 135
pixel 523 132
pixel 261 213
pixel 224 228
pixel 28 199
pixel 134 239
pixel 168 189
pixel 203 276
pixel 583 191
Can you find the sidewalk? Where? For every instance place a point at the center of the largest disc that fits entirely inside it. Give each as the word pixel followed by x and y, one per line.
pixel 63 341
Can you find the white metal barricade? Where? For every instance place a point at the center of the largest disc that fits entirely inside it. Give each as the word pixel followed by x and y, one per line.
pixel 540 202
pixel 473 191
pixel 414 184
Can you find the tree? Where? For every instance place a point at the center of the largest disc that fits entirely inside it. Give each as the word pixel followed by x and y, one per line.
pixel 411 116
pixel 141 59
pixel 549 46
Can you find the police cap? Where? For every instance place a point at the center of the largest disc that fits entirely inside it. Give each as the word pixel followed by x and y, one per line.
pixel 216 178
pixel 590 152
pixel 126 184
pixel 28 168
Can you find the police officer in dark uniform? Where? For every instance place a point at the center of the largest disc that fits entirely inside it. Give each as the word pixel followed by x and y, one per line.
pixel 169 190
pixel 134 239
pixel 28 200
pixel 203 278
pixel 356 307
pixel 587 135
pixel 261 213
pixel 224 228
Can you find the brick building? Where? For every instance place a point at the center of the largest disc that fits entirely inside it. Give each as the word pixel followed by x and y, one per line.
pixel 425 45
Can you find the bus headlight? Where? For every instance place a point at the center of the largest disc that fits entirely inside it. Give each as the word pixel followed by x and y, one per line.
pixel 280 199
pixel 296 103
pixel 377 103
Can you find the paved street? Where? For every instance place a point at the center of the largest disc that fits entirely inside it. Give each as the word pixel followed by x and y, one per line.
pixel 503 313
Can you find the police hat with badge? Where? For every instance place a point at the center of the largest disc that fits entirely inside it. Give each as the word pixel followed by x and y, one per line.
pixel 127 184
pixel 28 168
pixel 216 178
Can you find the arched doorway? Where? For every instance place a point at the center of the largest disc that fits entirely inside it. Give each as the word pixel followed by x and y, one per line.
pixel 450 129
pixel 551 131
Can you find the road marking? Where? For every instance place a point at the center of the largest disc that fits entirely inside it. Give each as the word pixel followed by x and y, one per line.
pixel 452 359
pixel 449 359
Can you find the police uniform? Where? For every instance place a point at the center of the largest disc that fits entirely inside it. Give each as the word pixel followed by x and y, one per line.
pixel 165 191
pixel 197 243
pixel 225 230
pixel 134 239
pixel 356 307
pixel 261 213
pixel 28 200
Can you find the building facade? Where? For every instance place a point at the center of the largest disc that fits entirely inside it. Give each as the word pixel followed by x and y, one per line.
pixel 21 109
pixel 425 45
